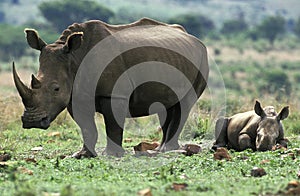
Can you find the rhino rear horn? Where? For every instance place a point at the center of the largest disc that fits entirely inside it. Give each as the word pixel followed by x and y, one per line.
pixel 23 90
pixel 35 83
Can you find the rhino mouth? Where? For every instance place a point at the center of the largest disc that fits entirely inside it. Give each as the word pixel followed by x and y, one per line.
pixel 43 123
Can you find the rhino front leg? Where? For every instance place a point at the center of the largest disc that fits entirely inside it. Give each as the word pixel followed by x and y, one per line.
pixel 244 142
pixel 89 133
pixel 114 113
pixel 221 133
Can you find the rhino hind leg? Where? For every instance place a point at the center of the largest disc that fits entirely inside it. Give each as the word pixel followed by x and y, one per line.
pixel 221 133
pixel 172 127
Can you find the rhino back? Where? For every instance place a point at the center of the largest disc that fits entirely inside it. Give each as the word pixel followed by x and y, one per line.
pixel 154 60
pixel 165 52
pixel 242 123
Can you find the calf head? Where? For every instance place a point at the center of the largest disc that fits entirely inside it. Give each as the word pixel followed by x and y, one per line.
pixel 50 91
pixel 269 127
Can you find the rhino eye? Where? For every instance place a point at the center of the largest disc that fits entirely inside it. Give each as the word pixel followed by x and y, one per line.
pixel 55 87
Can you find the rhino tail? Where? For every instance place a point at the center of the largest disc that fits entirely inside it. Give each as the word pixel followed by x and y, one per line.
pixel 221 133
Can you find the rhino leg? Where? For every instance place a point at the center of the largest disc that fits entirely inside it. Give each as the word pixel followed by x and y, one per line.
pixel 176 118
pixel 114 118
pixel 221 133
pixel 89 133
pixel 244 142
pixel 171 129
pixel 164 119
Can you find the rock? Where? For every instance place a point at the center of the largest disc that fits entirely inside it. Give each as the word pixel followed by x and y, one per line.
pixel 4 157
pixel 38 148
pixel 191 149
pixel 54 134
pixel 179 186
pixel 222 153
pixel 258 172
pixel 144 146
pixel 293 188
pixel 145 192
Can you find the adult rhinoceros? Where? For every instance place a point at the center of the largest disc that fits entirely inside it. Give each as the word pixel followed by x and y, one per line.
pixel 164 49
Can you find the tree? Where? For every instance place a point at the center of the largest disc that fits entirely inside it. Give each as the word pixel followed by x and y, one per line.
pixel 231 27
pixel 12 42
pixel 297 28
pixel 63 13
pixel 197 25
pixel 271 27
pixel 275 82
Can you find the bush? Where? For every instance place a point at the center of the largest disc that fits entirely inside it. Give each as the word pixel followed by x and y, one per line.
pixel 233 27
pixel 271 27
pixel 12 42
pixel 197 25
pixel 275 82
pixel 297 28
pixel 64 13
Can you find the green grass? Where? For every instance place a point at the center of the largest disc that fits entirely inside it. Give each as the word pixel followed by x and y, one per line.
pixel 130 174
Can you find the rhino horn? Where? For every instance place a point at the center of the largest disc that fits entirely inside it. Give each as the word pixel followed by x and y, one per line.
pixel 35 83
pixel 23 90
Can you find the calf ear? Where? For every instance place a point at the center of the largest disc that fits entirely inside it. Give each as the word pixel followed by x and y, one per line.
pixel 283 113
pixel 73 42
pixel 259 110
pixel 34 40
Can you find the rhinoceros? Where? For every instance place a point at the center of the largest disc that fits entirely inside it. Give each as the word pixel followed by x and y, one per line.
pixel 164 49
pixel 258 130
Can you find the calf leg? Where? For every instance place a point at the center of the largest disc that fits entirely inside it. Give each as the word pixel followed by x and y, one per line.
pixel 221 133
pixel 244 142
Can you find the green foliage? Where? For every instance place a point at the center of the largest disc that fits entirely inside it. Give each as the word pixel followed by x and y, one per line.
pixel 292 123
pixel 12 42
pixel 63 13
pixel 197 25
pixel 275 82
pixel 52 175
pixel 271 27
pixel 232 27
pixel 297 28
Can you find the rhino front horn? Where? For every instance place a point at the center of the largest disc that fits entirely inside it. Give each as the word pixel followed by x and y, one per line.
pixel 23 90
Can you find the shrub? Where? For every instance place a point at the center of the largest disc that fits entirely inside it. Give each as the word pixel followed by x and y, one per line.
pixel 197 25
pixel 275 82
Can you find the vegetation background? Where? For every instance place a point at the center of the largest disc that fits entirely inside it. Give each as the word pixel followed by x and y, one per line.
pixel 254 52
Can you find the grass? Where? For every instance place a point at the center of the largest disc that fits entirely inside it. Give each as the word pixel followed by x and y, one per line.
pixel 47 172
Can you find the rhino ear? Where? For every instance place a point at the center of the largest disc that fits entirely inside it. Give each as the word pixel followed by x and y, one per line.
pixel 34 40
pixel 259 110
pixel 73 42
pixel 284 113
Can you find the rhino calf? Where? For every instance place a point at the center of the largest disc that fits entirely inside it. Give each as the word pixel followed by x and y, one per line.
pixel 259 130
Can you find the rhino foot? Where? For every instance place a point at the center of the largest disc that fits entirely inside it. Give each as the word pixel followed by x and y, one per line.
pixel 84 153
pixel 119 152
pixel 167 147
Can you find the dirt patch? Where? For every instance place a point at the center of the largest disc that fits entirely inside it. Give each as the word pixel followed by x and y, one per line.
pixel 231 54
